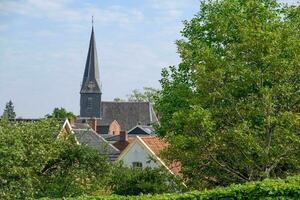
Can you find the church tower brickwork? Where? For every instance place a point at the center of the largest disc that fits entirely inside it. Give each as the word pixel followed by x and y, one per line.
pixel 90 93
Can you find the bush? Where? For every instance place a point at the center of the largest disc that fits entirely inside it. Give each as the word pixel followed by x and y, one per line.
pixel 135 181
pixel 34 164
pixel 268 189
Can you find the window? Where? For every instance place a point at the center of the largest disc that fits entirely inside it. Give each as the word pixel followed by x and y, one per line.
pixel 89 103
pixel 137 164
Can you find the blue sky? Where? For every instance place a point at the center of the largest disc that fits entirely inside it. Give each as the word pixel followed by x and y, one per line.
pixel 43 47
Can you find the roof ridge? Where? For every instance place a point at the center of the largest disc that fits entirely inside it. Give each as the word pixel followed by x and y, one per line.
pixel 149 136
pixel 125 102
pixel 103 139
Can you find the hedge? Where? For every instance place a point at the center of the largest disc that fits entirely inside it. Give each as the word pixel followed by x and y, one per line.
pixel 267 189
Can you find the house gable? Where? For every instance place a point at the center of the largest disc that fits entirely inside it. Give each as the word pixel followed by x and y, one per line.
pixel 138 151
pixel 84 135
pixel 66 131
pixel 137 131
pixel 114 128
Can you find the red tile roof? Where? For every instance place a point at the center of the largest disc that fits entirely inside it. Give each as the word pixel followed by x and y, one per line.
pixel 121 145
pixel 157 144
pixel 154 143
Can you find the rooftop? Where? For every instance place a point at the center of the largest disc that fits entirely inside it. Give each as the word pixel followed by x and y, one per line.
pixel 156 145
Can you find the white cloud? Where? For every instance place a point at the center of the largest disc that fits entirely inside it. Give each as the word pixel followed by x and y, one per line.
pixel 47 5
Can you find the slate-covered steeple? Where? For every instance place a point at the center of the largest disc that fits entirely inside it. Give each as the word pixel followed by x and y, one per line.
pixel 91 78
pixel 90 93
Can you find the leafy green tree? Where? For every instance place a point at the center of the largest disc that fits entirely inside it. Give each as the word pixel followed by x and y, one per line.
pixel 61 113
pixel 148 94
pixel 75 171
pixel 118 99
pixel 136 181
pixel 230 110
pixel 35 164
pixel 10 110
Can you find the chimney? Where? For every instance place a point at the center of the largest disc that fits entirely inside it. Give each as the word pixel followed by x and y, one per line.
pixel 123 136
pixel 93 123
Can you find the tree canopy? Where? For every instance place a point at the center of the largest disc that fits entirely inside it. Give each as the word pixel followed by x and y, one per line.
pixel 9 110
pixel 118 99
pixel 148 94
pixel 34 164
pixel 231 108
pixel 61 113
pixel 136 181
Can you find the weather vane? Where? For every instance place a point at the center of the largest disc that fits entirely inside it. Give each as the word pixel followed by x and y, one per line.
pixel 92 20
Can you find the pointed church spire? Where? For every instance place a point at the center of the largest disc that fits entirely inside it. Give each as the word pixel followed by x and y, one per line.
pixel 90 93
pixel 91 77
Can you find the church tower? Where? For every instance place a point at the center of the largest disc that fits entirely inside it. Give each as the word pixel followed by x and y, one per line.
pixel 90 93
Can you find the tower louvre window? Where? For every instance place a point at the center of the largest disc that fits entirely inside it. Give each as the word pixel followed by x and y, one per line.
pixel 89 102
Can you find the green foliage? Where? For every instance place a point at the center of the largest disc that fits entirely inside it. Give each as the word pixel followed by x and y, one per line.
pixel 267 189
pixel 135 181
pixel 61 114
pixel 118 99
pixel 230 110
pixel 33 163
pixel 9 110
pixel 77 170
pixel 147 95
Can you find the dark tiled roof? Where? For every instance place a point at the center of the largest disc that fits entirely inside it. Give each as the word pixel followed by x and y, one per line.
pixel 80 126
pixel 103 129
pixel 25 119
pixel 127 114
pixel 148 129
pixel 109 137
pixel 142 130
pixel 92 139
pixel 121 145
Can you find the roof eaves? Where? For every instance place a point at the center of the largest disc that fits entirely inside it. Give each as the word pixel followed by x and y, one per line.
pixel 67 123
pixel 126 150
pixel 140 140
pixel 104 140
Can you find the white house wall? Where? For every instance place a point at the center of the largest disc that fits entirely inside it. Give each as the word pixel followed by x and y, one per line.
pixel 138 154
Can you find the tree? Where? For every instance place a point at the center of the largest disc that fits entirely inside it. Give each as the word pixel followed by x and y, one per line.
pixel 136 181
pixel 147 95
pixel 118 99
pixel 35 164
pixel 61 113
pixel 10 110
pixel 230 110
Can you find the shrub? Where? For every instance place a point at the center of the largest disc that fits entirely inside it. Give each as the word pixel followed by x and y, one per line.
pixel 135 181
pixel 34 164
pixel 268 189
